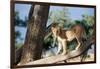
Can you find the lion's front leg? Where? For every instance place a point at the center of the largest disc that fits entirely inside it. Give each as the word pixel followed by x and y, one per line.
pixel 59 47
pixel 64 44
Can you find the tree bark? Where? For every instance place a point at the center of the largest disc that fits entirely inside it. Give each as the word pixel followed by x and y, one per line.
pixel 32 48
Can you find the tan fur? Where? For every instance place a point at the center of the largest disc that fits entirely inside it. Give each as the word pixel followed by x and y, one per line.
pixel 64 36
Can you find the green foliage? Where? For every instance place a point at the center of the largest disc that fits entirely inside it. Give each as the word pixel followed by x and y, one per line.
pixel 18 45
pixel 17 35
pixel 59 16
pixel 87 22
pixel 71 45
pixel 47 44
pixel 88 19
pixel 18 21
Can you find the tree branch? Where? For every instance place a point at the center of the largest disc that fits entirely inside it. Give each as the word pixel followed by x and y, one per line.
pixel 72 54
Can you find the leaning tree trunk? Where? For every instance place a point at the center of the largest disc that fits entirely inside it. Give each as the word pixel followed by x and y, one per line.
pixel 32 48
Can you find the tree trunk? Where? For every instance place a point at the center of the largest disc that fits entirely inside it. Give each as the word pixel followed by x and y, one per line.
pixel 32 48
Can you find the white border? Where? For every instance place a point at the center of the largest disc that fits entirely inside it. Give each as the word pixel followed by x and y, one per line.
pixel 5 34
